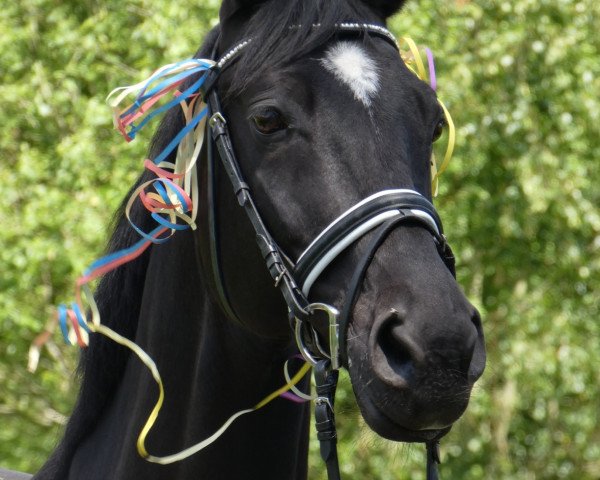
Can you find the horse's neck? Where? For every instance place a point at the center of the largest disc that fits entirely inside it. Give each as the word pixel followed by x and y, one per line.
pixel 210 369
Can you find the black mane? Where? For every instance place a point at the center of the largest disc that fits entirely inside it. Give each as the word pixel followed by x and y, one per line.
pixel 282 31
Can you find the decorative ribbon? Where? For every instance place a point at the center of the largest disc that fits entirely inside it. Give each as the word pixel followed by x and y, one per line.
pixel 414 61
pixel 165 460
pixel 171 198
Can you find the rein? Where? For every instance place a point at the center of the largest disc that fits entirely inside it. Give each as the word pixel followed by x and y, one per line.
pixel 174 206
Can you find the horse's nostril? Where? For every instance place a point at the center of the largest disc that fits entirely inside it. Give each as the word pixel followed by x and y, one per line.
pixel 400 354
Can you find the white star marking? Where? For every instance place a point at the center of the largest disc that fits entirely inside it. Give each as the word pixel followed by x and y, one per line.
pixel 351 65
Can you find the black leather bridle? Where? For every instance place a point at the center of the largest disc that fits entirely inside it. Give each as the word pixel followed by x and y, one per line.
pixel 381 213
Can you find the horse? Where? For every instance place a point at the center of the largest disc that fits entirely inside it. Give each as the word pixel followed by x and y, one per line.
pixel 327 122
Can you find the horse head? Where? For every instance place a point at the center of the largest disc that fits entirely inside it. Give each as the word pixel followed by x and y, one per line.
pixel 320 120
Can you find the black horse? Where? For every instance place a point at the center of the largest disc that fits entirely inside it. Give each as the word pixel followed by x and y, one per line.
pixel 320 119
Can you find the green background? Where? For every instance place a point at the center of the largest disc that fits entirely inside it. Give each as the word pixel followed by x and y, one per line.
pixel 519 201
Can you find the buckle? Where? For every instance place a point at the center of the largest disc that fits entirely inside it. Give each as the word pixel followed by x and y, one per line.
pixel 217 117
pixel 334 348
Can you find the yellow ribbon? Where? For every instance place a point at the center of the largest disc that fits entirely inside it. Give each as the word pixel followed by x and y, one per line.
pixel 151 365
pixel 414 61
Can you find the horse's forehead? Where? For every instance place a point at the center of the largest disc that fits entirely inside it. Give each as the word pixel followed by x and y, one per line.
pixel 353 66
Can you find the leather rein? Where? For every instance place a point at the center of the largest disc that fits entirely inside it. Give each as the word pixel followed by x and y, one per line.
pixel 380 213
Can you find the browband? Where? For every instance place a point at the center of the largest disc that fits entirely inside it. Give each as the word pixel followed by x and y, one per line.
pixel 371 29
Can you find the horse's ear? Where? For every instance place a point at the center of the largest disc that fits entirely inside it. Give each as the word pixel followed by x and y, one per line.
pixel 385 8
pixel 231 7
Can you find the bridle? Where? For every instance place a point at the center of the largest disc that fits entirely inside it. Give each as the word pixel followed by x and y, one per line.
pixel 380 213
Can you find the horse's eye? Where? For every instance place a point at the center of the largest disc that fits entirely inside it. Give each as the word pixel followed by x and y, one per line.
pixel 439 129
pixel 269 121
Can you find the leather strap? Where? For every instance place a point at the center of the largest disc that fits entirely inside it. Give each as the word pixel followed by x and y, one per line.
pixel 433 459
pixel 325 385
pixel 274 261
pixel 356 222
pixel 214 244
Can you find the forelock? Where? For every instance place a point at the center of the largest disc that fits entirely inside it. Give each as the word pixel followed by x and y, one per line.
pixel 283 31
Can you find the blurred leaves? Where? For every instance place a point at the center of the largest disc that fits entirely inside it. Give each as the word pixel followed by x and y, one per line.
pixel 520 204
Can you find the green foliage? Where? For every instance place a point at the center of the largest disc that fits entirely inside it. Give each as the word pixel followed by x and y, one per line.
pixel 519 202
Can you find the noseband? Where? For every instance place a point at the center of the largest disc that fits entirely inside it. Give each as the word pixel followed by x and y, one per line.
pixel 380 213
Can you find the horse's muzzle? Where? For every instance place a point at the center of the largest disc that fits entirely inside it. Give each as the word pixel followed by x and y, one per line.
pixel 421 362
